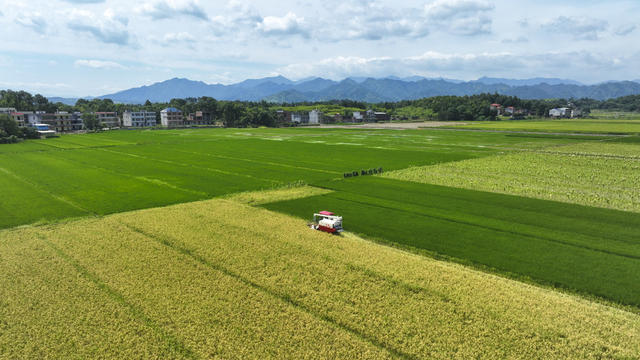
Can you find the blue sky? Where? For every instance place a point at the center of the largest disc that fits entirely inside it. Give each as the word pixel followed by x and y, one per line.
pixel 95 47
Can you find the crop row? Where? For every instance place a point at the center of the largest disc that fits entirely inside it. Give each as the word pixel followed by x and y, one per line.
pixel 592 180
pixel 590 250
pixel 226 280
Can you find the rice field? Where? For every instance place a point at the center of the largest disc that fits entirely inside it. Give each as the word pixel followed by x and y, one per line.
pixel 182 244
pixel 601 174
pixel 221 279
pixel 597 125
pixel 105 173
pixel 541 241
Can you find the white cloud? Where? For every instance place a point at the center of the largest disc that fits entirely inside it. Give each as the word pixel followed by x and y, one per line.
pixel 581 28
pixel 34 21
pixel 99 64
pixel 169 9
pixel 435 64
pixel 181 37
pixel 109 28
pixel 290 24
pixel 626 30
pixel 461 17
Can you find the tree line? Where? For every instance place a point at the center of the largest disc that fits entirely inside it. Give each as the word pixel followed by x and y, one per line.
pixel 250 114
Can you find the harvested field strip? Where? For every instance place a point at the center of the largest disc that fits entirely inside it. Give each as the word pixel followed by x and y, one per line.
pixel 47 310
pixel 591 180
pixel 505 233
pixel 268 196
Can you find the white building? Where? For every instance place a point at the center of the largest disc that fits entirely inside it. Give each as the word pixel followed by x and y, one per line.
pixel 358 116
pixel 315 117
pixel 7 111
pixel 139 119
pixel 560 112
pixel 171 117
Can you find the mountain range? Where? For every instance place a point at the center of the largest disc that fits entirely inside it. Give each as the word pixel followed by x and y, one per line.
pixel 280 89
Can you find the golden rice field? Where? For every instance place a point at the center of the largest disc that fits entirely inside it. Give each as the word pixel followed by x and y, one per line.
pixel 594 174
pixel 222 279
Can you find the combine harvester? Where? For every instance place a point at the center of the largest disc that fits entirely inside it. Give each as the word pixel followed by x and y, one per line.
pixel 328 222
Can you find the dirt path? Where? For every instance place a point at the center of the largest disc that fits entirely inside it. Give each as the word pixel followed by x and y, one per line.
pixel 397 126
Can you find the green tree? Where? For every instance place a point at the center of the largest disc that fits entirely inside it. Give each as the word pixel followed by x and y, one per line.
pixel 91 122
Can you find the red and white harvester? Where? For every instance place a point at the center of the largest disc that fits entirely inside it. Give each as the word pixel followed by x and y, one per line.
pixel 328 222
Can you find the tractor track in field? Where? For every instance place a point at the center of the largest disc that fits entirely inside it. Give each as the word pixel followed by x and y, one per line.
pixel 169 242
pixel 49 193
pixel 138 313
pixel 192 166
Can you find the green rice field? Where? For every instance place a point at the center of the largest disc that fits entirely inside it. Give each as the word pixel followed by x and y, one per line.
pixel 194 243
pixel 98 174
pixel 594 126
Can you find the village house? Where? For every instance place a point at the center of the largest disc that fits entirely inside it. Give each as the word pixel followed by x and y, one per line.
pixel 171 117
pixel 199 118
pixel 139 119
pixel 108 119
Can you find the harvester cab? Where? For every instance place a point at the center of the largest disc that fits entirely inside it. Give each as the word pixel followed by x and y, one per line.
pixel 328 222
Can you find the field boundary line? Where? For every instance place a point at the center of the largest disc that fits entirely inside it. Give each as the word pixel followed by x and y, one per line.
pixel 167 241
pixel 171 341
pixel 192 166
pixel 259 162
pixel 629 256
pixel 42 190
pixel 141 178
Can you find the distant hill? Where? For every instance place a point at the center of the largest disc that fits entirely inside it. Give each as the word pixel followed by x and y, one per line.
pixel 281 89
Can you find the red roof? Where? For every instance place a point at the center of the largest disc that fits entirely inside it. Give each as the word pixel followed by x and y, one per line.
pixel 326 213
pixel 17 113
pixel 495 105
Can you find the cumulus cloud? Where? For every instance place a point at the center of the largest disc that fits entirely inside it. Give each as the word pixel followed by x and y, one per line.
pixel 433 63
pixel 34 21
pixel 108 28
pixel 85 1
pixel 461 17
pixel 370 20
pixel 179 37
pixel 169 9
pixel 99 64
pixel 290 24
pixel 581 28
pixel 626 30
pixel 238 18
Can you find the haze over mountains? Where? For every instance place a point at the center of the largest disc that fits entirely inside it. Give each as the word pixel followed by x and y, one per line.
pixel 280 89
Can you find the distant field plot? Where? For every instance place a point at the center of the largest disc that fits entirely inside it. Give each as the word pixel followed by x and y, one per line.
pixel 590 250
pixel 599 174
pixel 596 126
pixel 126 170
pixel 220 279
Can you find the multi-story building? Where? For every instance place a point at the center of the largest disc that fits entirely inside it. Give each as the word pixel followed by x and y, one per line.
pixel 20 118
pixel 108 119
pixel 76 121
pixel 139 119
pixel 300 118
pixel 315 117
pixel 171 117
pixel 59 121
pixel 199 118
